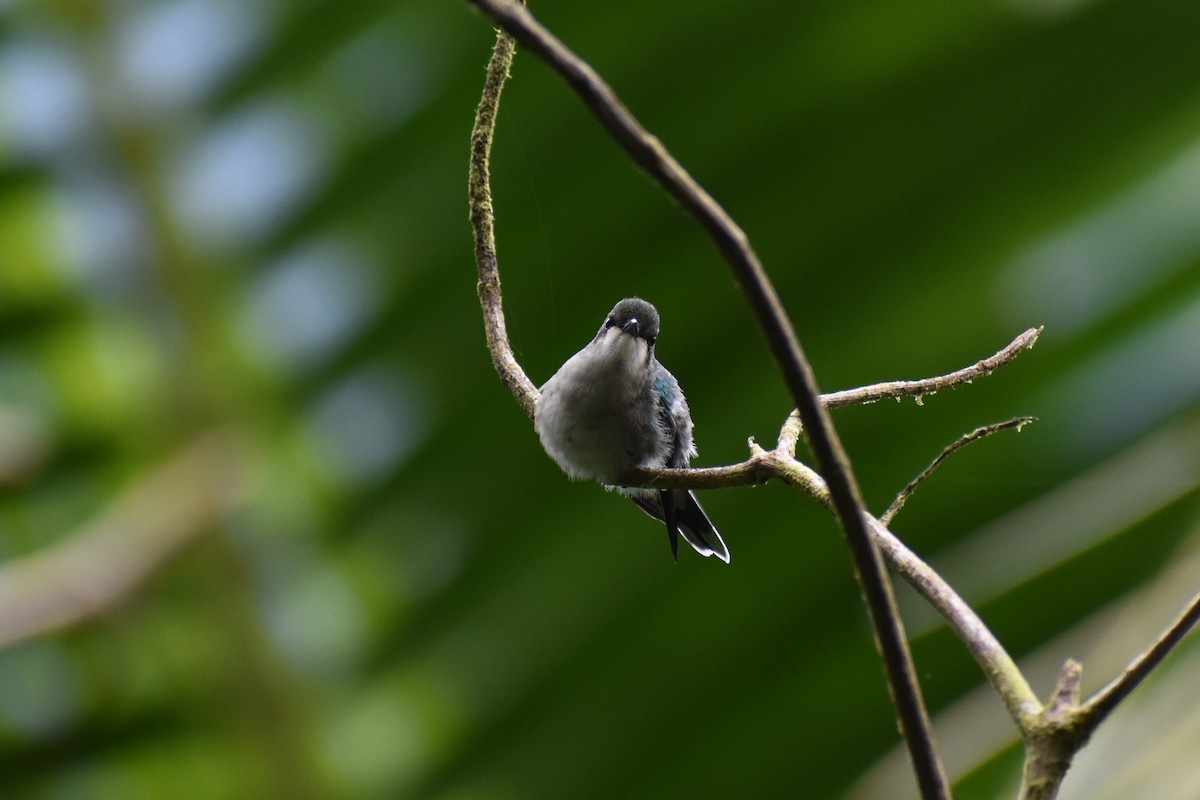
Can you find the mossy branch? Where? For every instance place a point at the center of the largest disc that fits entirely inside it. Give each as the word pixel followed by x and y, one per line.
pixel 479 194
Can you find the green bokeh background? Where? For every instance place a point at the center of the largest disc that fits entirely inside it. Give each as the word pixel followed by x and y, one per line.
pixel 249 216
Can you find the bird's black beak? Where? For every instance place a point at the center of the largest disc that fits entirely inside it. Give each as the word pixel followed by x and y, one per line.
pixel 631 327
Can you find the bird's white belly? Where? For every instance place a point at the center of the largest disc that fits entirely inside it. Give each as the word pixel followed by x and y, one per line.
pixel 594 441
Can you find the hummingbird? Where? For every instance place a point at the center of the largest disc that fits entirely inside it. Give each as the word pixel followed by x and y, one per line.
pixel 612 408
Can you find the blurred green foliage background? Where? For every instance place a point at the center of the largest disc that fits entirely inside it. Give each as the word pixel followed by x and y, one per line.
pixel 270 526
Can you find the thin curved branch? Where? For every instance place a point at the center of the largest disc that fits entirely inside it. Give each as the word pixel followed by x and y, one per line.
pixel 479 194
pixel 918 389
pixel 734 245
pixel 789 434
pixel 964 440
pixel 997 665
pixel 1101 704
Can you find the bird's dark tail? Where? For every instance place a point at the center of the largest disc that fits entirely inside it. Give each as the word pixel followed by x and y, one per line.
pixel 684 517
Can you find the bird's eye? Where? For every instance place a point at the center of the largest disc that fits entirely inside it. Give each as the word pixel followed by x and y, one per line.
pixel 650 340
pixel 608 323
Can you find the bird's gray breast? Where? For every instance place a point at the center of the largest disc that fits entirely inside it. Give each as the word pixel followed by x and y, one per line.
pixel 597 425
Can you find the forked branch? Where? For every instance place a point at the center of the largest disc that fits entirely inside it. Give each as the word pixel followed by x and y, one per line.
pixel 516 21
pixel 1053 732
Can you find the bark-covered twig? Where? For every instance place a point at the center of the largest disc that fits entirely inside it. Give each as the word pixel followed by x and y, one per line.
pixel 479 195
pixel 789 434
pixel 645 150
pixel 1065 725
pixel 1102 703
pixel 918 389
pixel 1053 737
pixel 998 666
pixel 1056 734
pixel 984 430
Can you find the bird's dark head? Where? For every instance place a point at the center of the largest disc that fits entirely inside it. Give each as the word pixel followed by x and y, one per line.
pixel 634 316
